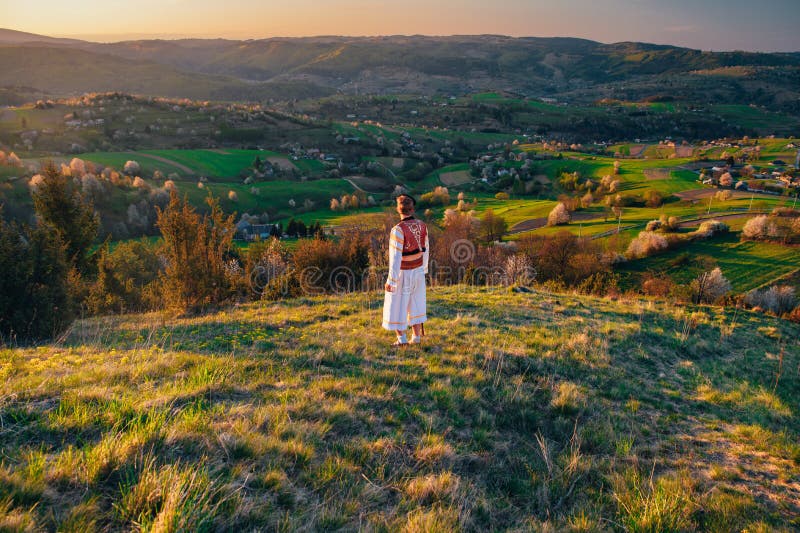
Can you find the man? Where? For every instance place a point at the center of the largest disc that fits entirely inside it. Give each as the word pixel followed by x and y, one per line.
pixel 404 303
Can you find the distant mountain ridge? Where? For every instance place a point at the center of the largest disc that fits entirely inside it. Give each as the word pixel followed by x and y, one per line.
pixel 14 36
pixel 312 66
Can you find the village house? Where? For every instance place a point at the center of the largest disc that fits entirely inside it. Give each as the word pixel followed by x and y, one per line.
pixel 245 231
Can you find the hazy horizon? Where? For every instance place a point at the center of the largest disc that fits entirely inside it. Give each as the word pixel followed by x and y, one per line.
pixel 770 26
pixel 117 38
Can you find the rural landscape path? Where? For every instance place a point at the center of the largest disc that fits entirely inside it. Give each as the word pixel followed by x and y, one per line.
pixel 699 194
pixel 733 216
pixel 355 185
pixel 536 223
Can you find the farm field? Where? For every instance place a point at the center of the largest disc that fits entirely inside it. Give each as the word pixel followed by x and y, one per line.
pixel 210 163
pixel 747 265
pixel 513 210
pixel 754 117
pixel 270 194
pixel 265 416
pixel 369 216
pixel 593 221
pixel 451 175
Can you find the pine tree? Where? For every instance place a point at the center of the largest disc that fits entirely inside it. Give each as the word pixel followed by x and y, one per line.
pixel 63 210
pixel 35 300
pixel 518 188
pixel 291 228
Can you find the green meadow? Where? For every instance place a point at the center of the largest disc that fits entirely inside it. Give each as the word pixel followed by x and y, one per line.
pixel 227 163
pixel 535 411
pixel 746 264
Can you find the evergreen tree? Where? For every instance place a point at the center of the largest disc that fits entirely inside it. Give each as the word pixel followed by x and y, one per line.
pixel 60 207
pixel 127 279
pixel 35 300
pixel 291 228
pixel 518 188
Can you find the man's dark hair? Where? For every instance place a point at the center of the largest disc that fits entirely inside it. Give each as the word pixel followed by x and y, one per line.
pixel 413 201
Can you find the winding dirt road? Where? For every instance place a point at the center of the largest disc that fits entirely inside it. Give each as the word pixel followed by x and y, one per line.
pixel 536 223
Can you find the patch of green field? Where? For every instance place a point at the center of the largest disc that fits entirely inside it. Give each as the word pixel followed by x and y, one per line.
pixel 638 217
pixel 277 415
pixel 327 217
pixel 210 163
pixel 583 228
pixel 34 118
pixel 433 179
pixel 776 146
pixel 489 97
pixel 632 172
pixel 514 210
pixel 471 137
pixel 310 167
pixel 624 148
pixel 678 181
pixel 759 119
pixel 656 151
pixel 663 107
pixel 117 161
pixel 348 130
pixel 271 195
pixel 10 172
pixel 747 264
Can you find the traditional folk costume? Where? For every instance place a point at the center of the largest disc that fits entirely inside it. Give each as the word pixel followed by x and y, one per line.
pixel 408 264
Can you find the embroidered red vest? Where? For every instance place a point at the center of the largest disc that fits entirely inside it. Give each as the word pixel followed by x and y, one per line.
pixel 414 234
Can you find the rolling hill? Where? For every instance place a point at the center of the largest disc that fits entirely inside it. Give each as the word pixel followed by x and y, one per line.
pixel 13 36
pixel 527 66
pixel 538 411
pixel 60 70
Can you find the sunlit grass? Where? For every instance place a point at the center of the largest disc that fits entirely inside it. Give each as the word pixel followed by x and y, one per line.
pixel 519 411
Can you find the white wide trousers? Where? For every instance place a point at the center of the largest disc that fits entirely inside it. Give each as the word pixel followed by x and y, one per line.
pixel 406 305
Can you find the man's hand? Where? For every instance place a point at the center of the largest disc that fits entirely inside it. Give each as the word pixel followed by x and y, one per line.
pixel 389 288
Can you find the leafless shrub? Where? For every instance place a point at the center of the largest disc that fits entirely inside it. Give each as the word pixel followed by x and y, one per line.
pixel 710 287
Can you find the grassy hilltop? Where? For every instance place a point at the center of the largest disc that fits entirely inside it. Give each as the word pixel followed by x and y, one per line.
pixel 520 411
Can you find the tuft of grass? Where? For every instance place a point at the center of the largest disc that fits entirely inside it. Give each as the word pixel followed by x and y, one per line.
pixel 433 449
pixel 432 487
pixel 82 517
pixel 169 498
pixel 568 398
pixel 13 518
pixel 664 504
pixel 438 519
